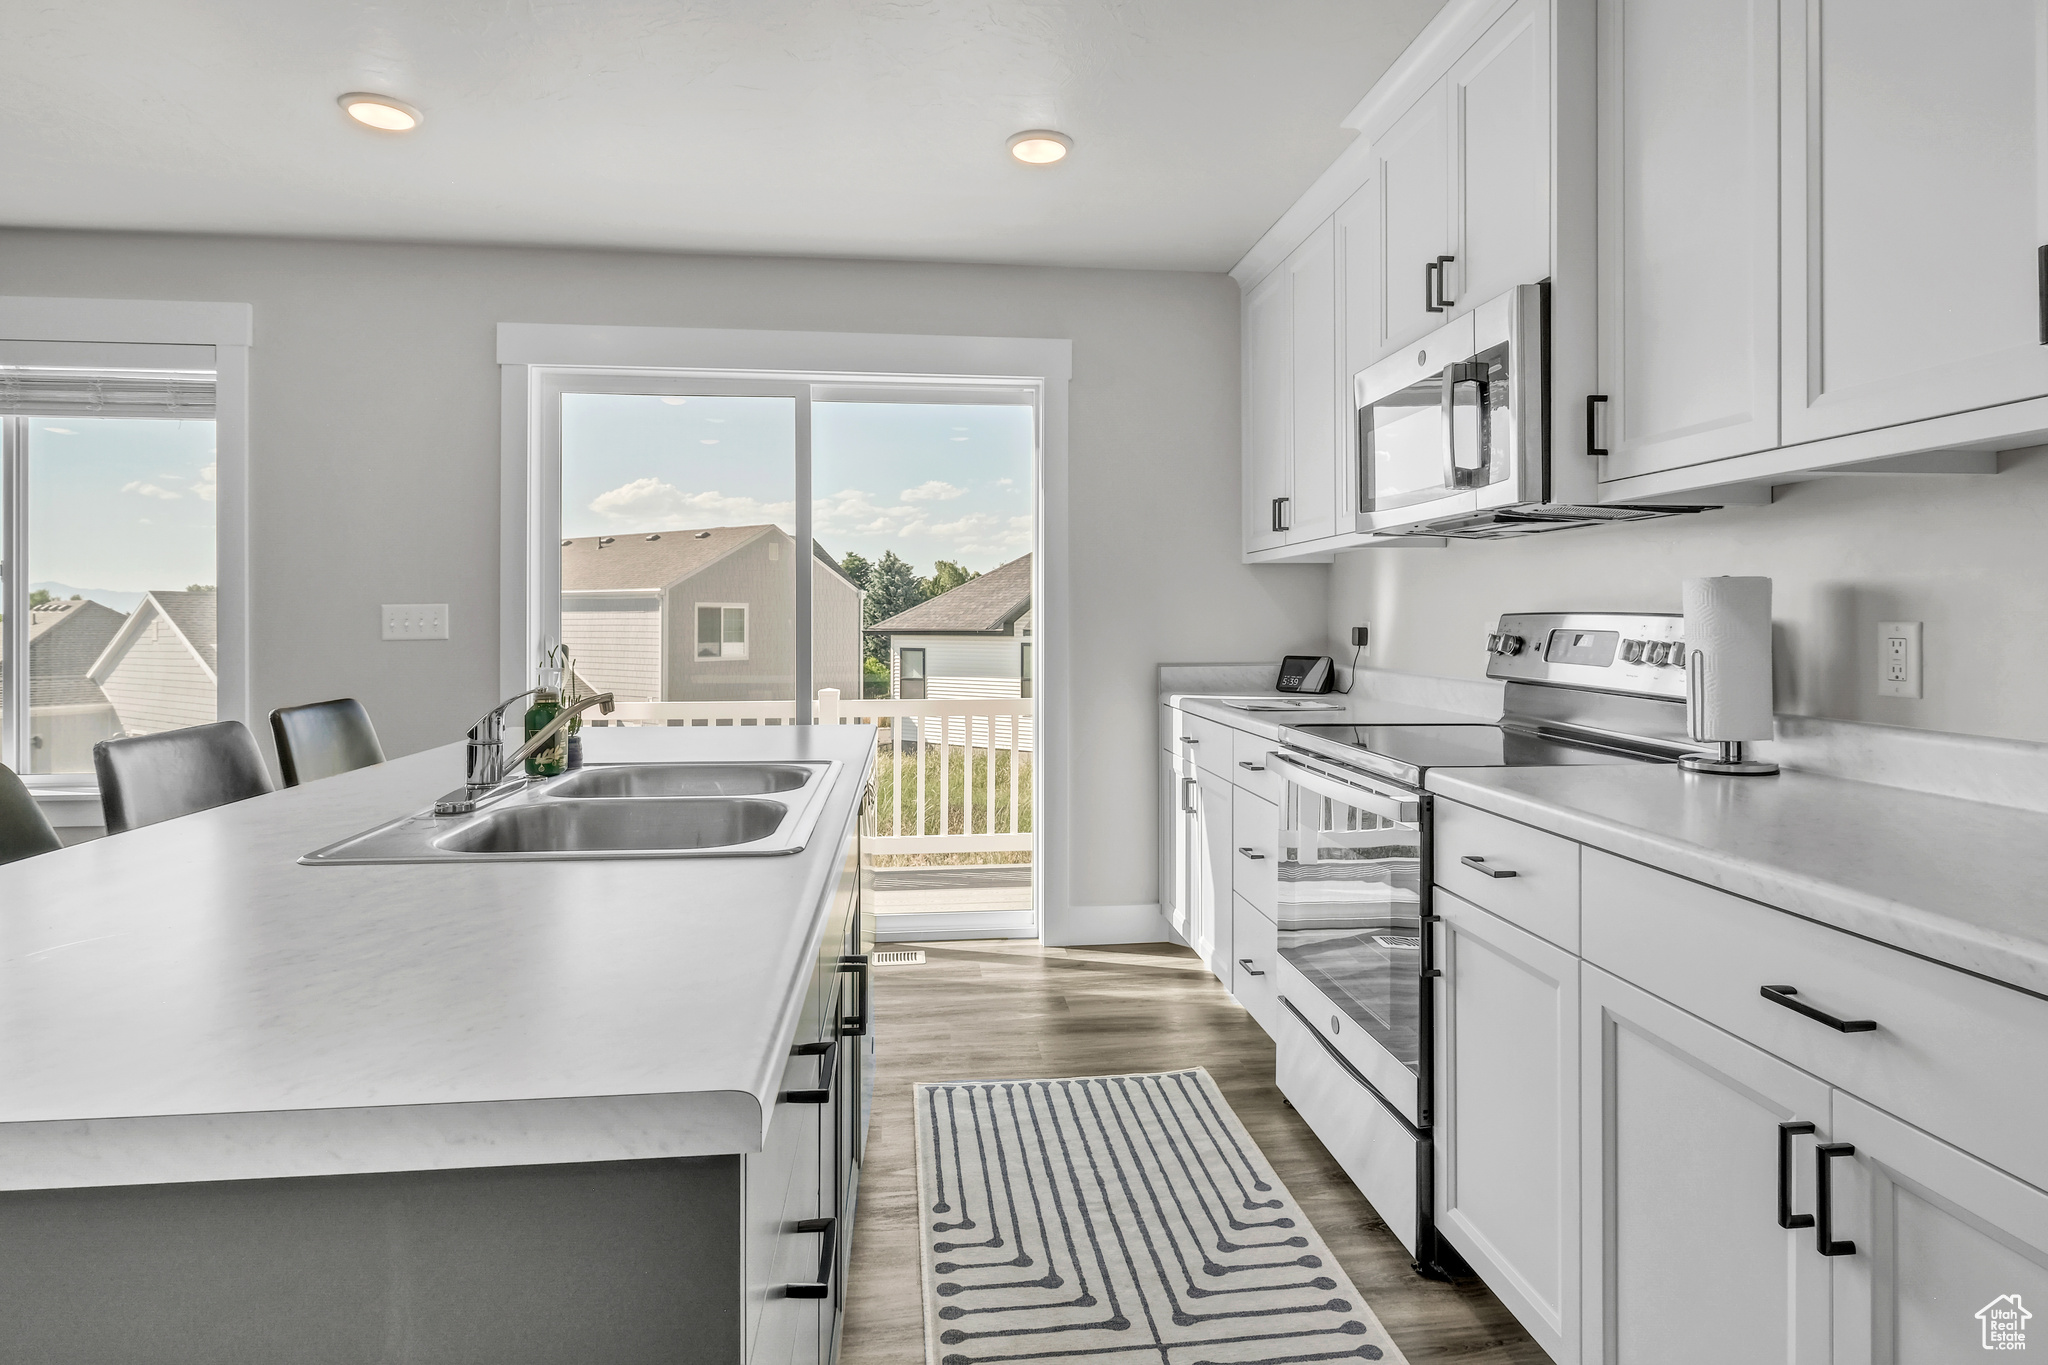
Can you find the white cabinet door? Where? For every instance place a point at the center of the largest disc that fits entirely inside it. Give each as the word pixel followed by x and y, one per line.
pixel 1268 340
pixel 1255 949
pixel 1213 850
pixel 1356 228
pixel 1499 96
pixel 1415 214
pixel 1914 184
pixel 1311 509
pixel 1949 1254
pixel 1174 805
pixel 1685 1260
pixel 1688 128
pixel 1507 1116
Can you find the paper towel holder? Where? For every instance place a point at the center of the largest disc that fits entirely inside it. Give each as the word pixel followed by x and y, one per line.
pixel 1730 761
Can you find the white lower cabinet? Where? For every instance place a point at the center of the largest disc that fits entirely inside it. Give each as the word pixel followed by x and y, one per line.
pixel 1685 1260
pixel 1950 1254
pixel 1507 1109
pixel 1255 945
pixel 1209 932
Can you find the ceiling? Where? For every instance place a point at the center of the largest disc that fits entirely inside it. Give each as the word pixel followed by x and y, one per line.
pixel 866 128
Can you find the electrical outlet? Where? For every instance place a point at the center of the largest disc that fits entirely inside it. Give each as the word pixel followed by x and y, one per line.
pixel 416 620
pixel 1898 658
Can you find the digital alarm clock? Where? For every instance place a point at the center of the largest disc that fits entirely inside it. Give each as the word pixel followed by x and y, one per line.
pixel 1312 673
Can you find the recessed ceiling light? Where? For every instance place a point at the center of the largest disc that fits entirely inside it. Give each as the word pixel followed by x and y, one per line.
pixel 1040 146
pixel 381 112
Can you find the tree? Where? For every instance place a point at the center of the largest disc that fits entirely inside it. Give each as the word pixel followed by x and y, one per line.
pixel 893 587
pixel 946 576
pixel 38 597
pixel 199 587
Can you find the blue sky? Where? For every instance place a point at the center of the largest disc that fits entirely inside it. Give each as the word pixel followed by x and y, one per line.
pixel 928 481
pixel 120 503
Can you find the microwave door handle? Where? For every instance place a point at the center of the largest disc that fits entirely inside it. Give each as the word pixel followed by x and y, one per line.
pixel 1447 414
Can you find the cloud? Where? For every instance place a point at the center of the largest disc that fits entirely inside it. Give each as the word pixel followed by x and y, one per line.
pixel 150 490
pixel 932 490
pixel 652 504
pixel 204 487
pixel 60 431
pixel 1006 483
pixel 984 534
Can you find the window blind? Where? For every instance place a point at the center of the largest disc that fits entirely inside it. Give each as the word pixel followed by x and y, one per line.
pixel 45 391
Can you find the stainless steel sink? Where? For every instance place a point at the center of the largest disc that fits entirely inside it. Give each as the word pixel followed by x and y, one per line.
pixel 681 779
pixel 650 810
pixel 619 826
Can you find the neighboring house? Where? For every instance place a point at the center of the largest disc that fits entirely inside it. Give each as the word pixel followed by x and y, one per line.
pixel 704 615
pixel 161 670
pixel 68 713
pixel 974 641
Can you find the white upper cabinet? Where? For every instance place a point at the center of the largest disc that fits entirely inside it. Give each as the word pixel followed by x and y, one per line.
pixel 1357 234
pixel 1913 210
pixel 1500 172
pixel 1415 215
pixel 1688 130
pixel 1291 395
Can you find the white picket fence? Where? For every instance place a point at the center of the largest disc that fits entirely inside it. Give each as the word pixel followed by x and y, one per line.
pixel 992 724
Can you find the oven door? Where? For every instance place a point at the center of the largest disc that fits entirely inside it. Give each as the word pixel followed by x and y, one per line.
pixel 1351 905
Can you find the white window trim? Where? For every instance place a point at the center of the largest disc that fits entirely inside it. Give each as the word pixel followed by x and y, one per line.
pixel 850 358
pixel 73 798
pixel 746 634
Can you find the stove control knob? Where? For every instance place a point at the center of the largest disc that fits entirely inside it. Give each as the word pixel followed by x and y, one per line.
pixel 1504 644
pixel 1675 656
pixel 1632 651
pixel 1654 653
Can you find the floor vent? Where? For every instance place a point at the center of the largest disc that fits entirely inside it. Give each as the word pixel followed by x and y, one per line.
pixel 900 957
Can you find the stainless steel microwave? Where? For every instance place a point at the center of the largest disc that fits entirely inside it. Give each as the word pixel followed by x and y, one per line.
pixel 1454 433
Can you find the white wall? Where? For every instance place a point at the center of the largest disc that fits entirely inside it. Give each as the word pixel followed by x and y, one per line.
pixel 1966 555
pixel 374 444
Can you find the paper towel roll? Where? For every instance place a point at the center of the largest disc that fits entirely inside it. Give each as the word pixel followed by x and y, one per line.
pixel 1728 663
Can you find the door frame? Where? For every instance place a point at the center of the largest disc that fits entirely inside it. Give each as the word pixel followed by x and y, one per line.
pixel 935 364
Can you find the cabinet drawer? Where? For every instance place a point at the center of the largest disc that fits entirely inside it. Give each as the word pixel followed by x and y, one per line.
pixel 1255 952
pixel 1255 851
pixel 1210 741
pixel 1534 877
pixel 1248 754
pixel 1369 1143
pixel 1963 1058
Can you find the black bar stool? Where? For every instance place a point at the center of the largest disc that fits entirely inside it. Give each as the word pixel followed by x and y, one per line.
pixel 323 738
pixel 176 772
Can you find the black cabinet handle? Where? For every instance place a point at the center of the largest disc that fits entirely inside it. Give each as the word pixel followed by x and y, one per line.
pixel 1429 287
pixel 1280 514
pixel 1250 766
pixel 2041 272
pixel 1253 854
pixel 1591 423
pixel 857 1026
pixel 1246 963
pixel 1824 1199
pixel 1786 1132
pixel 1478 864
pixel 821 1288
pixel 1441 301
pixel 1782 995
pixel 828 1071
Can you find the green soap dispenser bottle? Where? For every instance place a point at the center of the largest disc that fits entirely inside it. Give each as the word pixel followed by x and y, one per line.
pixel 552 760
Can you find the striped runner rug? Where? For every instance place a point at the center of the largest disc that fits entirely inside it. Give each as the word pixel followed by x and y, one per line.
pixel 1119 1219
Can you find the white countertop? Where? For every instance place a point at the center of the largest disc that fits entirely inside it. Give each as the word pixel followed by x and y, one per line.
pixel 1960 882
pixel 1347 711
pixel 187 1002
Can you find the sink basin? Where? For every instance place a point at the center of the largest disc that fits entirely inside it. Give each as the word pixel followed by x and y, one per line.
pixel 618 826
pixel 622 810
pixel 681 779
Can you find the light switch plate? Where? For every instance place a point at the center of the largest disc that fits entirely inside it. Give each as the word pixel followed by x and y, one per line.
pixel 415 620
pixel 1898 658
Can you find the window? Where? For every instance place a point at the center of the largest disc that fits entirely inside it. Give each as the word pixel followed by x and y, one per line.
pixel 107 499
pixel 721 630
pixel 1024 672
pixel 910 675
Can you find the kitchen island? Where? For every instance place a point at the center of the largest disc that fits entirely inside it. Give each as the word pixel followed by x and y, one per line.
pixel 489 1110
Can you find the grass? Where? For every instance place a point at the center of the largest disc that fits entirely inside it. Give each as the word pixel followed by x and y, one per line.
pixel 967 788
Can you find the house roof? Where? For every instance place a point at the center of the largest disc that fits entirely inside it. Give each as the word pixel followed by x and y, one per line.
pixel 988 605
pixel 192 614
pixel 65 637
pixel 68 691
pixel 649 561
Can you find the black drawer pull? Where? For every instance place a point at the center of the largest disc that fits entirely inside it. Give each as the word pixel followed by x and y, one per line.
pixel 1246 963
pixel 1252 853
pixel 1478 864
pixel 1250 766
pixel 1782 995
pixel 1824 1199
pixel 807 1097
pixel 822 1287
pixel 1786 1132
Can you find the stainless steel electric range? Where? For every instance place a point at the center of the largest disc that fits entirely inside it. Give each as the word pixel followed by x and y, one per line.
pixel 1356 955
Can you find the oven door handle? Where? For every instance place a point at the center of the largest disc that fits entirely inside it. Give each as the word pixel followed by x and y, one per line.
pixel 1403 811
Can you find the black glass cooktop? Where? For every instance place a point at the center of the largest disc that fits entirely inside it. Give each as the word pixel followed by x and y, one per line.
pixel 1408 751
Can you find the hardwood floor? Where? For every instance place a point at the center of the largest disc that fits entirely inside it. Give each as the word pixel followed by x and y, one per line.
pixel 1013 1009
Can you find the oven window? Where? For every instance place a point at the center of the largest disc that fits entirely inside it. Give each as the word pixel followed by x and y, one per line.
pixel 1401 448
pixel 1351 914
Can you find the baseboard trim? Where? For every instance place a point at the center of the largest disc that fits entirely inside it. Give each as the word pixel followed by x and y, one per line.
pixel 1088 925
pixel 921 926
